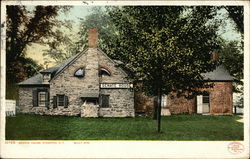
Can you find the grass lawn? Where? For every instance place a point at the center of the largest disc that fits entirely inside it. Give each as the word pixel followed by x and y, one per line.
pixel 175 127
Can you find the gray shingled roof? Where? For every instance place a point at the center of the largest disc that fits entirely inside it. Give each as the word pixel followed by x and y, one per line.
pixel 58 67
pixel 38 79
pixel 35 80
pixel 219 74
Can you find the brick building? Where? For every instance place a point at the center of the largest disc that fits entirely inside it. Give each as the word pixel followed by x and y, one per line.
pixel 88 84
pixel 215 100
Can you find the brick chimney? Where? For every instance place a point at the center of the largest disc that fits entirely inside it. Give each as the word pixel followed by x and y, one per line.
pixel 92 37
pixel 215 56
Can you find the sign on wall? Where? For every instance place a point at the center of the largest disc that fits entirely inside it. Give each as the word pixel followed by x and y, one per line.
pixel 116 85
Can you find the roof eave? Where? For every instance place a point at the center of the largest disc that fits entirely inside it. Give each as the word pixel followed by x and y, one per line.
pixel 31 85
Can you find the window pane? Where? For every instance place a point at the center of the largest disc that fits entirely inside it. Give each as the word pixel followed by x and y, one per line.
pixel 41 98
pixel 80 72
pixel 205 99
pixel 60 100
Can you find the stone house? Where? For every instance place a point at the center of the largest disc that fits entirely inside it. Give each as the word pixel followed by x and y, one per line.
pixel 215 100
pixel 89 84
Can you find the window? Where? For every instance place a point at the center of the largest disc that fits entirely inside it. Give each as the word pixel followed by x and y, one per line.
pixel 41 98
pixel 205 98
pixel 60 100
pixel 104 103
pixel 104 72
pixel 80 72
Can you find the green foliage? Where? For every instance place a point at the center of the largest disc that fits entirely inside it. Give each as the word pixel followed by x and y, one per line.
pixel 12 90
pixel 174 127
pixel 25 27
pixel 166 47
pixel 231 52
pixel 107 32
pixel 236 13
pixel 62 44
pixel 232 57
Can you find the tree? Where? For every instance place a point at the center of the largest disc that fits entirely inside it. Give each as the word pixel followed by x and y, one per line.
pixel 166 47
pixel 75 43
pixel 25 27
pixel 232 57
pixel 231 52
pixel 236 13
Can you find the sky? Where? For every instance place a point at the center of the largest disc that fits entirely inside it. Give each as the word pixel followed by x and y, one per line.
pixel 76 13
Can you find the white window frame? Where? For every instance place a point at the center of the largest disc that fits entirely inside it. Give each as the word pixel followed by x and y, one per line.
pixel 40 102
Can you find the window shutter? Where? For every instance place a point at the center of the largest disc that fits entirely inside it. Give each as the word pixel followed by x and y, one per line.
pixel 199 104
pixel 66 102
pixel 35 98
pixel 55 102
pixel 47 99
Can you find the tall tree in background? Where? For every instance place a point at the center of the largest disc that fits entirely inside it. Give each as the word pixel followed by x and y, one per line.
pixel 232 54
pixel 167 48
pixel 68 45
pixel 236 13
pixel 25 27
pixel 108 34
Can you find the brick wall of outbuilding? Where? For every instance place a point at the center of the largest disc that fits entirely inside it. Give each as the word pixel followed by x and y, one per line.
pixel 221 101
pixel 143 104
pixel 181 105
pixel 221 98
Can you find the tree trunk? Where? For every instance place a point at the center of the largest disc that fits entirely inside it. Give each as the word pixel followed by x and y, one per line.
pixel 159 112
pixel 155 102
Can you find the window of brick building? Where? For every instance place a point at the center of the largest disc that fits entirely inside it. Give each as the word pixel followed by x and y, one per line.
pixel 205 98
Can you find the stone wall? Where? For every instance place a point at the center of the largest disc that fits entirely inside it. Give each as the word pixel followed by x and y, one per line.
pixel 121 100
pixel 73 87
pixel 121 103
pixel 117 74
pixel 26 101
